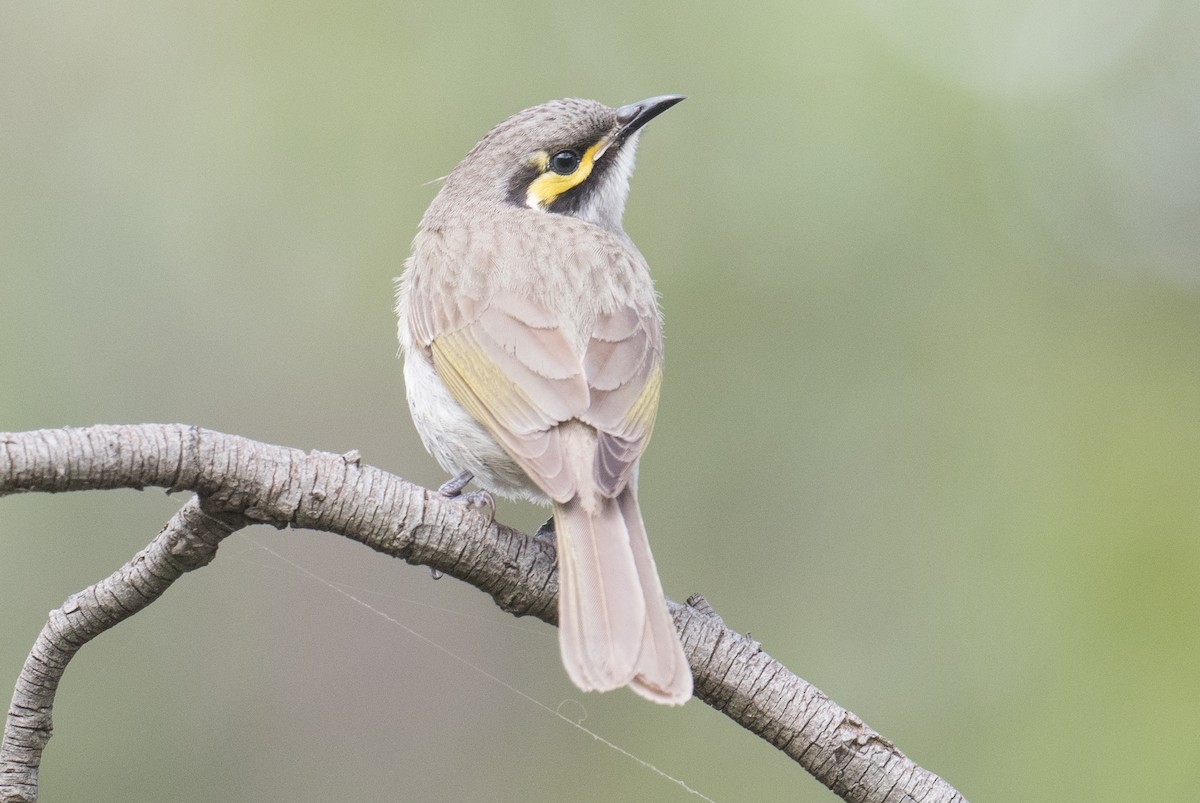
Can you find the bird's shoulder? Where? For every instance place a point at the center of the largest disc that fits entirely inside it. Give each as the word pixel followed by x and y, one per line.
pixel 554 261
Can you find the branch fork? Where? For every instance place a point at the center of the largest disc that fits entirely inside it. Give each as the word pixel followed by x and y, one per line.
pixel 237 481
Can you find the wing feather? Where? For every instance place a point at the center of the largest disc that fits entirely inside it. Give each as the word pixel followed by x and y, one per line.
pixel 507 359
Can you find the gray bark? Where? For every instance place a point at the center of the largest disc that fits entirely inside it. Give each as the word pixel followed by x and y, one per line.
pixel 237 481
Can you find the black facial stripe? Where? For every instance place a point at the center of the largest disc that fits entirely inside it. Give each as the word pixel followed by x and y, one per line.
pixel 518 185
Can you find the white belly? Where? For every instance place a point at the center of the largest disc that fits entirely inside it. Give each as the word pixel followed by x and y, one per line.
pixel 455 439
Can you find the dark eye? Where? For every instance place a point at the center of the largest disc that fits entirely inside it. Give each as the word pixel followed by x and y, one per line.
pixel 564 162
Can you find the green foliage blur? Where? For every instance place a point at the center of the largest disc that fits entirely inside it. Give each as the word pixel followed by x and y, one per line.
pixel 930 428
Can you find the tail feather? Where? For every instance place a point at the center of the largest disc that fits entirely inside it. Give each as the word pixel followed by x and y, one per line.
pixel 663 673
pixel 601 612
pixel 614 627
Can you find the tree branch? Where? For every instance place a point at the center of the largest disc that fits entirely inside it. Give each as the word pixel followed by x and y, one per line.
pixel 238 481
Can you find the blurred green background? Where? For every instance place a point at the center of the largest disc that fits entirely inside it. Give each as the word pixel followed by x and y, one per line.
pixel 930 428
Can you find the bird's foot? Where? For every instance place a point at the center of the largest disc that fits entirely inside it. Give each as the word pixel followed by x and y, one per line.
pixel 481 501
pixel 547 533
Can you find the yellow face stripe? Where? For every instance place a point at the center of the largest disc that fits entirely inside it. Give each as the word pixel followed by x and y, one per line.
pixel 544 189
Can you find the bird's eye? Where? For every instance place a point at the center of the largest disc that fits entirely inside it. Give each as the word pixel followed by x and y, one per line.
pixel 564 162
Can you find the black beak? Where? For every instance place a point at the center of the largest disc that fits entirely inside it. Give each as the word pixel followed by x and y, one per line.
pixel 632 117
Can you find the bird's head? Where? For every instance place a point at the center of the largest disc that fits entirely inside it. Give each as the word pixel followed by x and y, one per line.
pixel 566 157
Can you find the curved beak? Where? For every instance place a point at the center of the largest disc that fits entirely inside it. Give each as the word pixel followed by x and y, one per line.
pixel 632 117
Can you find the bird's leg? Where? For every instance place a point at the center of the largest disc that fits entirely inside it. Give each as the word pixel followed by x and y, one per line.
pixel 482 501
pixel 453 487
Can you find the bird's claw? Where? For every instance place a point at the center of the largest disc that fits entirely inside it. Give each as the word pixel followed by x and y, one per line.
pixel 483 503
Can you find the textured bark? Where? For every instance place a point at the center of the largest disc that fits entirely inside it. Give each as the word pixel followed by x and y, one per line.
pixel 238 481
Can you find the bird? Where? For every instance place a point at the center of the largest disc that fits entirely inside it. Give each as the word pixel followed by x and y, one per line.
pixel 532 343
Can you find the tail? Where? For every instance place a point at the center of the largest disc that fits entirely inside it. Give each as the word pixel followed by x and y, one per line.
pixel 613 625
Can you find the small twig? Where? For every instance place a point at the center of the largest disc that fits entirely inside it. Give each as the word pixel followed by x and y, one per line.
pixel 241 481
pixel 188 541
